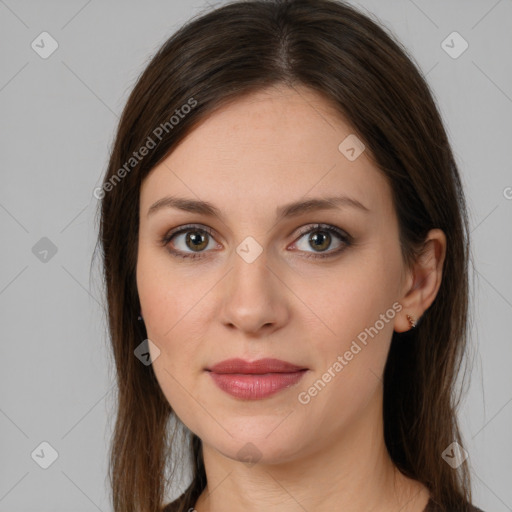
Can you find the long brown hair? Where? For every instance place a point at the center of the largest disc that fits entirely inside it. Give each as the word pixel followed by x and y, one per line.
pixel 367 75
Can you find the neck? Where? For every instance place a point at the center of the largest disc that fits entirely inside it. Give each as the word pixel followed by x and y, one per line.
pixel 349 471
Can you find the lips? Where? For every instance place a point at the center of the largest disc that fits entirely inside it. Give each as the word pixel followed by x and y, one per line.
pixel 260 366
pixel 257 379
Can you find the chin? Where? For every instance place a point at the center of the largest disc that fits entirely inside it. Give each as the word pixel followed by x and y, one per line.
pixel 258 443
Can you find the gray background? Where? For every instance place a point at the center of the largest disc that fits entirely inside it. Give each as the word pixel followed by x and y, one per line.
pixel 58 117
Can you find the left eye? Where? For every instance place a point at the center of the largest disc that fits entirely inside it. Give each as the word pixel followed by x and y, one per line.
pixel 320 237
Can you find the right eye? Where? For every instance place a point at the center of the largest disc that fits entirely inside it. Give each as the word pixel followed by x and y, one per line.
pixel 191 240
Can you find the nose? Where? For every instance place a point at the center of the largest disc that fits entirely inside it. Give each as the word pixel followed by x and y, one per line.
pixel 254 297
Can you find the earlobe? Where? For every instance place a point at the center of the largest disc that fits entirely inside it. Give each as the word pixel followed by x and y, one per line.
pixel 401 322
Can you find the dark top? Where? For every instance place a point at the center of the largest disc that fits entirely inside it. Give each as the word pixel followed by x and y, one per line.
pixel 432 507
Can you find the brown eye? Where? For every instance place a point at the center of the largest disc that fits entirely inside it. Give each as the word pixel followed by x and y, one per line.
pixel 196 240
pixel 189 241
pixel 321 238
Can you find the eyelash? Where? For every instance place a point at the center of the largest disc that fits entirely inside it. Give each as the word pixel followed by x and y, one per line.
pixel 344 237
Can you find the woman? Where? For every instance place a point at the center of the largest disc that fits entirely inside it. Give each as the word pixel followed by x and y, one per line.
pixel 286 251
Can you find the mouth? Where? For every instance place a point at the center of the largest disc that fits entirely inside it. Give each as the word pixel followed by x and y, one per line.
pixel 255 380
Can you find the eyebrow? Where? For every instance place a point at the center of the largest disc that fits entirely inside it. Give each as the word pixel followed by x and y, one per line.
pixel 286 211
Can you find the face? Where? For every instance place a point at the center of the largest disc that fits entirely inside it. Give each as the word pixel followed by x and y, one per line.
pixel 315 287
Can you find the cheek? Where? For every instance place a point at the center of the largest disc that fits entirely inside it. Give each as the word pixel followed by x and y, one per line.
pixel 166 296
pixel 160 304
pixel 167 301
pixel 173 314
pixel 351 297
pixel 354 319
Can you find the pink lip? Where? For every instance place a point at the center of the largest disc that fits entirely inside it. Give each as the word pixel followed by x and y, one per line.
pixel 257 379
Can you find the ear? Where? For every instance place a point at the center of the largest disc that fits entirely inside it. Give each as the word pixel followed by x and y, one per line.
pixel 423 280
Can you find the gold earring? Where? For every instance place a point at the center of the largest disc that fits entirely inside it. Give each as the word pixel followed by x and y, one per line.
pixel 411 321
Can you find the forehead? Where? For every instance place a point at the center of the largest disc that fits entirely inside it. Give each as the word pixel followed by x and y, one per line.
pixel 265 149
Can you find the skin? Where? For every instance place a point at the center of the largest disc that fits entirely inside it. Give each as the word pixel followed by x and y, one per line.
pixel 257 153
